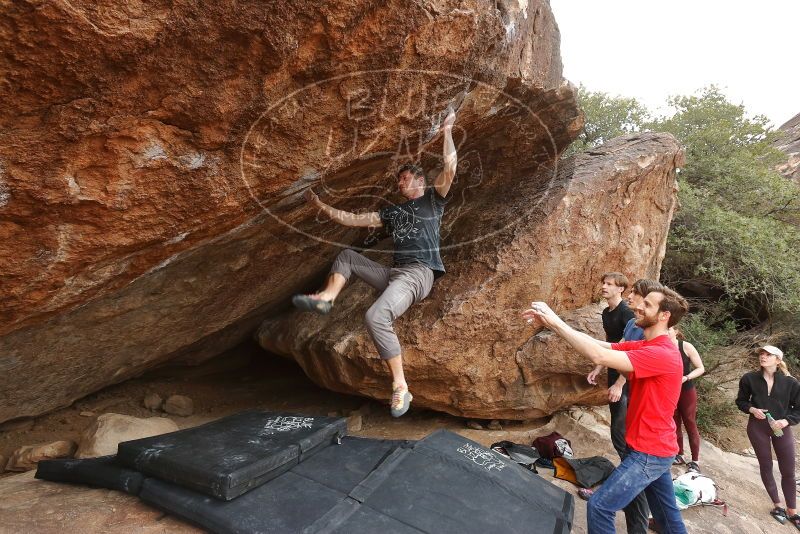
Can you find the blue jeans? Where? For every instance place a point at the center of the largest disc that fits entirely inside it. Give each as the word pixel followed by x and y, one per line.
pixel 637 472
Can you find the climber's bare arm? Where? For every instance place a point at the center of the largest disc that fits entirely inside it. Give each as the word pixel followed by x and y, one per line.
pixel 445 178
pixel 345 218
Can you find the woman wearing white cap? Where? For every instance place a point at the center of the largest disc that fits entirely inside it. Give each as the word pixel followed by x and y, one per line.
pixel 765 391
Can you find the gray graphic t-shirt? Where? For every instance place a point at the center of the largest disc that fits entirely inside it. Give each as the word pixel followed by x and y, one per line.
pixel 414 226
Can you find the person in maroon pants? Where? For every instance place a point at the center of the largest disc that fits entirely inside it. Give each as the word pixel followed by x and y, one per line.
pixel 686 412
pixel 764 391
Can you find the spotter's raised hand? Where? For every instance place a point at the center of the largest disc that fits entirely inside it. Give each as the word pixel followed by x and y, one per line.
pixel 540 314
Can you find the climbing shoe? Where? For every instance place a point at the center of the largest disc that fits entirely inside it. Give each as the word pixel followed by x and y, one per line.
pixel 401 400
pixel 311 304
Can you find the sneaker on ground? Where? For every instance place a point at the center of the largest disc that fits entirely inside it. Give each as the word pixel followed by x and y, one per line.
pixel 679 460
pixel 692 466
pixel 585 493
pixel 795 520
pixel 401 400
pixel 779 514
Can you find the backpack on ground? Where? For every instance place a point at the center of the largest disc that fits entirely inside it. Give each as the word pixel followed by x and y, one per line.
pixel 524 455
pixel 696 489
pixel 553 445
pixel 583 472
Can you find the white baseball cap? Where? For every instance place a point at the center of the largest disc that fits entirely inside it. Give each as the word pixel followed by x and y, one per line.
pixel 775 351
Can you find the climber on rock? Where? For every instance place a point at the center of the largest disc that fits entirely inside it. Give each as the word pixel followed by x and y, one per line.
pixel 414 227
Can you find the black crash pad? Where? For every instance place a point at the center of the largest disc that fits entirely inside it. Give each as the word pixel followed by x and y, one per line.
pixel 230 456
pixel 103 472
pixel 292 502
pixel 444 483
pixel 448 483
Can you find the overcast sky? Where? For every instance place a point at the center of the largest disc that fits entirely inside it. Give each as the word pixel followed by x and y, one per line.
pixel 653 49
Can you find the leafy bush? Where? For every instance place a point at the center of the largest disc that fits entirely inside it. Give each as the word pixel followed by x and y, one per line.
pixel 749 257
pixel 737 233
pixel 714 410
pixel 607 117
pixel 737 227
pixel 697 329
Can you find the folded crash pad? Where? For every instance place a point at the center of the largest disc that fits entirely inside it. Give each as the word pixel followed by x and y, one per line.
pixel 103 472
pixel 230 456
pixel 292 502
pixel 444 483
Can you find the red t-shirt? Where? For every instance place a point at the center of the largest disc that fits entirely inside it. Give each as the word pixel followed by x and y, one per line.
pixel 655 385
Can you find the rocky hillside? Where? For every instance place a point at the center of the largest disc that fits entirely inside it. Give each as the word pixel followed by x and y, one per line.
pixel 789 142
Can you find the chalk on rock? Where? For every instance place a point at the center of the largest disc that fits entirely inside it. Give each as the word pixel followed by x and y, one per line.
pixel 179 405
pixel 153 402
pixel 87 414
pixel 26 457
pixel 103 436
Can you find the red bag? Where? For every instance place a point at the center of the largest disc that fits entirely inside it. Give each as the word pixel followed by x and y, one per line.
pixel 553 445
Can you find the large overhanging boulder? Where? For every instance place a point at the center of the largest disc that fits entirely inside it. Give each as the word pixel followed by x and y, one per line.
pixel 152 159
pixel 546 237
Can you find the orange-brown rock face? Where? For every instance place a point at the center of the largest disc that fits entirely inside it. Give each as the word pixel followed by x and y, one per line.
pixel 550 237
pixel 153 156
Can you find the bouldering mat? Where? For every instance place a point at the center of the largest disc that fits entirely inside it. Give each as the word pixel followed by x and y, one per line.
pixel 102 471
pixel 443 483
pixel 233 455
pixel 292 502
pixel 447 483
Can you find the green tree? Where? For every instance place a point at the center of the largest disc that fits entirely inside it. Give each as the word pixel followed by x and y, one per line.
pixel 606 117
pixel 737 227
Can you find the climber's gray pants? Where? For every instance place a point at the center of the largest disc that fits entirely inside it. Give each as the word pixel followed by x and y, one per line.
pixel 401 286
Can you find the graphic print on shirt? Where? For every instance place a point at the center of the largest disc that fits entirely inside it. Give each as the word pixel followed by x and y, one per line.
pixel 403 223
